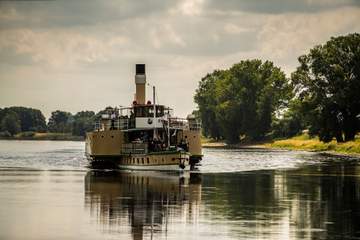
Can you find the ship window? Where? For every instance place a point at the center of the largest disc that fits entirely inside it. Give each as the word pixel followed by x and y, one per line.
pixel 151 111
pixel 185 136
pixel 159 111
pixel 112 136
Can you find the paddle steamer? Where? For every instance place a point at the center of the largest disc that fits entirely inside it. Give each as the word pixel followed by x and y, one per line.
pixel 144 135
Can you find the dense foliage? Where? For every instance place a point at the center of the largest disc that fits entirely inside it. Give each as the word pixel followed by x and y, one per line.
pixel 243 100
pixel 14 120
pixel 21 119
pixel 328 84
pixel 60 121
pixel 83 122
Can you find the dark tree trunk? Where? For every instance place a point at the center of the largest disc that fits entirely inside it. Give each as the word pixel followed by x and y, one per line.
pixel 339 137
pixel 350 127
pixel 350 136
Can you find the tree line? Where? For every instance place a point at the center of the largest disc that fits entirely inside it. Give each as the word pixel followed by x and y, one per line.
pixel 254 100
pixel 14 120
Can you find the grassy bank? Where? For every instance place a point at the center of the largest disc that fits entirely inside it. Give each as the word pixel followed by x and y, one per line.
pixel 304 142
pixel 44 136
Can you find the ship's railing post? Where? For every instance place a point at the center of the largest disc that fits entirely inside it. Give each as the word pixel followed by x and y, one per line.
pixel 123 123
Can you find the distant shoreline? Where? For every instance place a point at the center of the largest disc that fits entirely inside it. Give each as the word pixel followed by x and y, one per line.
pixel 34 136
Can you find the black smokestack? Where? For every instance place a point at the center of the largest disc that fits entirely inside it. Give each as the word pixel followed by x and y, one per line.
pixel 140 69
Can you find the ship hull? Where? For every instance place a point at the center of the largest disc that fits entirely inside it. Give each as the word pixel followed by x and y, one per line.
pixel 170 167
pixel 176 160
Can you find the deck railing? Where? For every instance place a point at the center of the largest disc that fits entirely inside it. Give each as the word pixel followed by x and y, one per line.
pixel 182 123
pixel 128 123
pixel 118 124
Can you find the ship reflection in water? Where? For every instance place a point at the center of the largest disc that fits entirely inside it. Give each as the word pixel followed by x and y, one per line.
pixel 311 202
pixel 146 202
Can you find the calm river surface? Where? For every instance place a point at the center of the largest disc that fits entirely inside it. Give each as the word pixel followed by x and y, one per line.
pixel 47 192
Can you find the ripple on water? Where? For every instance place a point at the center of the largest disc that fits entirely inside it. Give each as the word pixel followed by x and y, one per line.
pixel 249 159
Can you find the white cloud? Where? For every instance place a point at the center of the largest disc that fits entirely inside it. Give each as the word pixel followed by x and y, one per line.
pixel 286 36
pixel 191 7
pixel 164 34
pixel 231 28
pixel 60 48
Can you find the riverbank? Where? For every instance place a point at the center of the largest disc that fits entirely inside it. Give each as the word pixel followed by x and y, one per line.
pixel 43 136
pixel 302 142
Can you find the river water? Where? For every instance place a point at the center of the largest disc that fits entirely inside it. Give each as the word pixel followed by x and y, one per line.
pixel 48 192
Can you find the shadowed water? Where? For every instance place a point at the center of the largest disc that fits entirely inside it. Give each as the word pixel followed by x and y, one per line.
pixel 47 192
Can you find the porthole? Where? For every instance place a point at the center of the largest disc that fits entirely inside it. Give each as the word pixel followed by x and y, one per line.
pixel 112 136
pixel 185 136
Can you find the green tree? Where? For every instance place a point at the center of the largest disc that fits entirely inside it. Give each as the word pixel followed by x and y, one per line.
pixel 11 123
pixel 83 122
pixel 60 121
pixel 243 100
pixel 30 119
pixel 328 84
pixel 207 101
pixel 291 122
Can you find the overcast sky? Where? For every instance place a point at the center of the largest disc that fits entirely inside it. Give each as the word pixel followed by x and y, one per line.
pixel 80 55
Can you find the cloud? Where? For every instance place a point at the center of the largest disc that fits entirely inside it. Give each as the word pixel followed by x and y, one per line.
pixel 277 6
pixel 191 7
pixel 287 36
pixel 231 28
pixel 59 48
pixel 63 13
pixel 165 34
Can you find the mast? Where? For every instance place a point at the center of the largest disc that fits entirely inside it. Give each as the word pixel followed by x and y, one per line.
pixel 168 132
pixel 154 117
